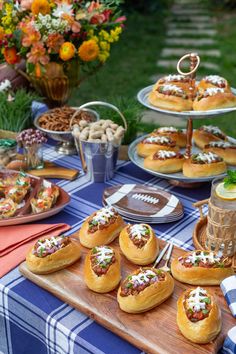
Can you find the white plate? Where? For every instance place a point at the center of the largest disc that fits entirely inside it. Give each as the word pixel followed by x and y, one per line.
pixel 143 99
pixel 138 161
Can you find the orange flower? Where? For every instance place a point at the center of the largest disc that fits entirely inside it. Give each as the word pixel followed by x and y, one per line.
pixel 38 54
pixel 67 51
pixel 31 37
pixel 40 6
pixel 54 42
pixel 2 33
pixel 11 56
pixel 89 50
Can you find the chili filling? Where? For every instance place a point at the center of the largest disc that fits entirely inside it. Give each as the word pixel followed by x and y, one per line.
pixel 205 158
pixel 172 90
pixel 101 259
pixel 139 281
pixel 197 305
pixel 165 155
pixel 159 140
pixel 221 145
pixel 102 219
pixel 216 80
pixel 204 259
pixel 174 78
pixel 47 246
pixel 139 234
pixel 213 130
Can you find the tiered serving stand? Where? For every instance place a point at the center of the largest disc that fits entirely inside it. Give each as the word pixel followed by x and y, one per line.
pixel 178 178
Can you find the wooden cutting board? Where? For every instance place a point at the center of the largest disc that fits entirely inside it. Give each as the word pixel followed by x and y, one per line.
pixel 154 331
pixel 51 170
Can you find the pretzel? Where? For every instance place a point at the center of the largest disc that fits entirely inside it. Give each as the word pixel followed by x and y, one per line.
pixel 58 119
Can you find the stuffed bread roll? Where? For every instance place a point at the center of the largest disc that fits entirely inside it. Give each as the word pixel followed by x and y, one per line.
pixel 153 143
pixel 204 164
pixel 144 289
pixel 177 135
pixel 52 254
pixel 214 98
pixel 102 269
pixel 214 81
pixel 101 228
pixel 223 149
pixel 207 133
pixel 164 161
pixel 39 205
pixel 198 316
pixel 201 268
pixel 139 244
pixel 170 97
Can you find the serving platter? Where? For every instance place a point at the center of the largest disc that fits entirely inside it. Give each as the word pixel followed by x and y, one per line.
pixel 154 331
pixel 23 214
pixel 138 161
pixel 143 94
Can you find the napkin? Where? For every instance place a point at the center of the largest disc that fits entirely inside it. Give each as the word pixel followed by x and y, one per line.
pixel 229 346
pixel 15 241
pixel 228 287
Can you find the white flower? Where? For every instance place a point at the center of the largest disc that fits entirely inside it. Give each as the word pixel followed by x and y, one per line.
pixel 63 9
pixel 5 85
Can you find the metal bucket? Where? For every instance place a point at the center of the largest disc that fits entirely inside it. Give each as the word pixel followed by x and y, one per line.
pixel 98 158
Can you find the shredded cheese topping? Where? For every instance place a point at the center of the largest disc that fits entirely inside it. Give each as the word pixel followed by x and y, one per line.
pixel 212 129
pixel 205 258
pixel 172 88
pixel 5 206
pixel 163 154
pixel 174 77
pixel 220 144
pixel 194 302
pixel 207 157
pixel 138 231
pixel 157 139
pixel 143 277
pixel 49 243
pixel 167 129
pixel 215 79
pixel 102 216
pixel 103 253
pixel 211 91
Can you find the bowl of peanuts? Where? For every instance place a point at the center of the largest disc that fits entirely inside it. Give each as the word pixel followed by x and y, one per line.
pixel 56 124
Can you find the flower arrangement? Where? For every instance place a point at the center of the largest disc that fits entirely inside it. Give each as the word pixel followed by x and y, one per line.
pixel 58 31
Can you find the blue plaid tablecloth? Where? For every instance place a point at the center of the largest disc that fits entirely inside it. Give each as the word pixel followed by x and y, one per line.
pixel 32 321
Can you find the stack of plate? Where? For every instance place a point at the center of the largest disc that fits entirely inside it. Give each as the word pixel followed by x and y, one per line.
pixel 143 203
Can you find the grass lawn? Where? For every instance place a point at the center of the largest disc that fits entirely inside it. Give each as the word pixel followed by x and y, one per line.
pixel 133 61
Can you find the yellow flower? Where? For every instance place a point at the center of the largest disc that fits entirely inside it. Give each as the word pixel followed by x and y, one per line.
pixel 94 38
pixel 88 50
pixel 105 46
pixel 104 34
pixel 40 6
pixel 103 56
pixel 8 31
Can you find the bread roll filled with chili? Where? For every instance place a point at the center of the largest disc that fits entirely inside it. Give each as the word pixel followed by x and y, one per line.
pixel 51 254
pixel 153 143
pixel 101 228
pixel 224 149
pixel 171 97
pixel 198 316
pixel 102 269
pixel 177 135
pixel 144 289
pixel 204 164
pixel 207 133
pixel 201 268
pixel 139 244
pixel 214 81
pixel 213 98
pixel 164 162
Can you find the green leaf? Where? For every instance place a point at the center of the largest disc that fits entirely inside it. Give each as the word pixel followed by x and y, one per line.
pixel 205 312
pixel 230 180
pixel 207 300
